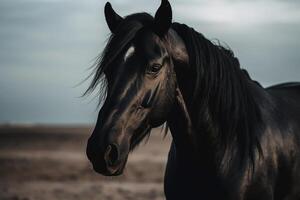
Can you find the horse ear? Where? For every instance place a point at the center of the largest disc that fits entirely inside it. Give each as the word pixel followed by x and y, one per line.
pixel 112 18
pixel 163 18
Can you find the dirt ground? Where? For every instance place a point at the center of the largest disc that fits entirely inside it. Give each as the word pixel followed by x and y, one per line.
pixel 49 163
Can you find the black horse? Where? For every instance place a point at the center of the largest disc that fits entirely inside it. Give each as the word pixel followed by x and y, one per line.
pixel 232 138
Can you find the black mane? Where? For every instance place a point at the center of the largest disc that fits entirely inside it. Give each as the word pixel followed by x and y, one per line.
pixel 223 98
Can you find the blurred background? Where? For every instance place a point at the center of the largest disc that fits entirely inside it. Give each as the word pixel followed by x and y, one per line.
pixel 46 50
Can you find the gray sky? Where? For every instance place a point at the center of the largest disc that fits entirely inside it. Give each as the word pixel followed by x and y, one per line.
pixel 47 46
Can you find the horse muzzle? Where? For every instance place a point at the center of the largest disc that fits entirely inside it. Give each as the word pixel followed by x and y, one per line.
pixel 110 162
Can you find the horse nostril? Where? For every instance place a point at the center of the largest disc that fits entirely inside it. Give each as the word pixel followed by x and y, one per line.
pixel 111 154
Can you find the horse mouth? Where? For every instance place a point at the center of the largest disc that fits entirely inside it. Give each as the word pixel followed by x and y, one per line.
pixel 115 170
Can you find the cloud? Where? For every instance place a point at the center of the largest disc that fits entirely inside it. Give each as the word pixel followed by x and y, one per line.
pixel 241 12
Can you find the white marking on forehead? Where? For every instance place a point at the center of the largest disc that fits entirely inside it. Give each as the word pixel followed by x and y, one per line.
pixel 129 52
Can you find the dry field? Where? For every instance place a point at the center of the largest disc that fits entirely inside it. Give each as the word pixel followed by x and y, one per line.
pixel 49 163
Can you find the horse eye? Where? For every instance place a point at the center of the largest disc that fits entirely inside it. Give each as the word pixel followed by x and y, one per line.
pixel 155 68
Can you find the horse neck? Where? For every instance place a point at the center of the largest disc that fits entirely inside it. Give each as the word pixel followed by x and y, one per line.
pixel 219 111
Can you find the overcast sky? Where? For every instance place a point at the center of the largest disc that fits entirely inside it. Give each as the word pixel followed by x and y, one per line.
pixel 47 46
